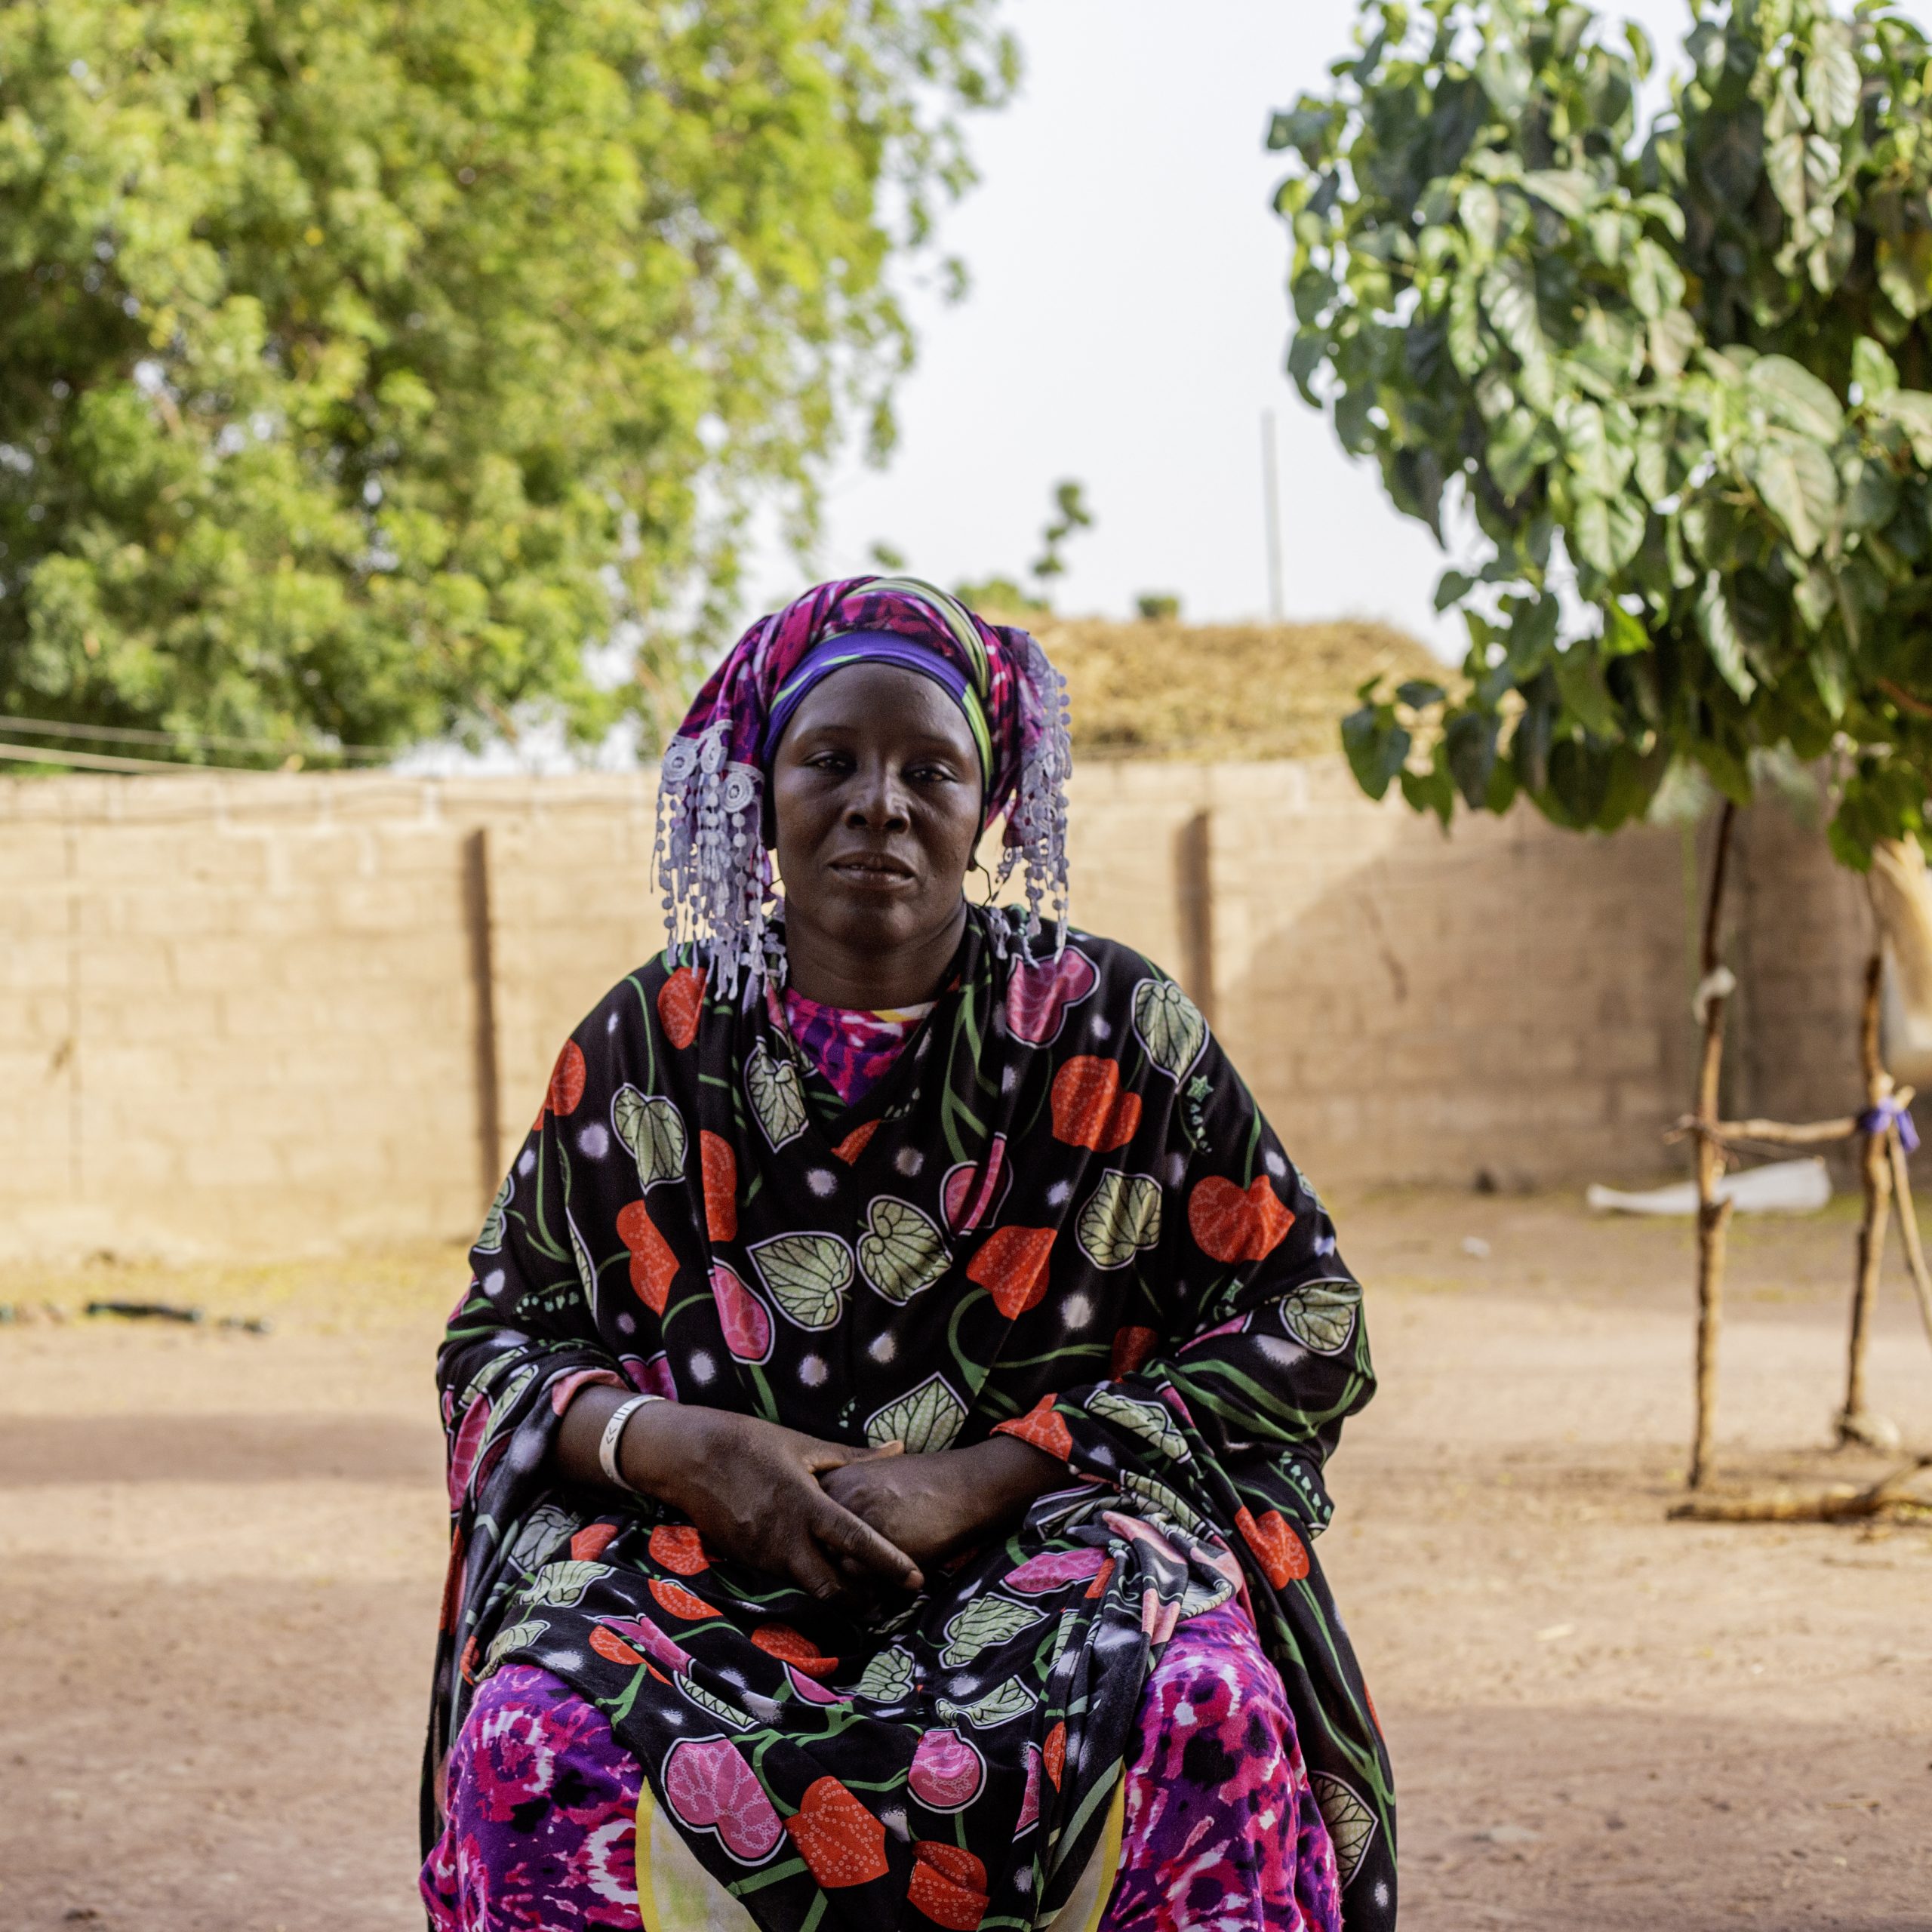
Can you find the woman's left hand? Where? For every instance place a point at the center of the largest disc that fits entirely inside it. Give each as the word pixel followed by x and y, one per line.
pixel 933 1506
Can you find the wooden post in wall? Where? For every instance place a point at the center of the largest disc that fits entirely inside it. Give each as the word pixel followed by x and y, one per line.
pixel 483 982
pixel 1194 875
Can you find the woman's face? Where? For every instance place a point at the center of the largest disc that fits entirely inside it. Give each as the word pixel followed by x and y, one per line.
pixel 875 793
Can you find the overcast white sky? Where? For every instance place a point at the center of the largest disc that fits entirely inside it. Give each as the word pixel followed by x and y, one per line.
pixel 1127 326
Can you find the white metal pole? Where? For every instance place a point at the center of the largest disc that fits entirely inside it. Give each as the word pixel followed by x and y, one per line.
pixel 1271 511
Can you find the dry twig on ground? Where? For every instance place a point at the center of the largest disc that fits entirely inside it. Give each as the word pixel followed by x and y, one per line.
pixel 1891 1493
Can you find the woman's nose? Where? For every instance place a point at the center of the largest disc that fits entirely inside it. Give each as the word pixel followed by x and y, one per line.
pixel 879 800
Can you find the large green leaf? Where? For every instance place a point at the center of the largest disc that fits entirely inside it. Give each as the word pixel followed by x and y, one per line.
pixel 1905 270
pixel 1784 166
pixel 1602 457
pixel 927 1419
pixel 1657 283
pixel 1832 83
pixel 1509 297
pixel 808 1275
pixel 901 1252
pixel 1585 697
pixel 1719 625
pixel 986 1621
pixel 1798 483
pixel 1793 396
pixel 777 1096
pixel 1912 410
pixel 652 1131
pixel 1568 190
pixel 1672 338
pixel 1482 215
pixel 1875 372
pixel 1376 746
pixel 1121 1217
pixel 1608 532
pixel 1469 742
pixel 1170 1025
pixel 1467 350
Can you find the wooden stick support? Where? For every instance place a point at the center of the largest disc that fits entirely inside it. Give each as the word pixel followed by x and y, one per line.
pixel 1713 1215
pixel 1891 1492
pixel 1914 1254
pixel 1854 1423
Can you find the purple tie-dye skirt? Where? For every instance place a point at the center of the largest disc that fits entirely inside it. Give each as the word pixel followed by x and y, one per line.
pixel 1221 1832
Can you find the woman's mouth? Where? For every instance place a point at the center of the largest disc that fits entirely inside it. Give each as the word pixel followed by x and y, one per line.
pixel 871 871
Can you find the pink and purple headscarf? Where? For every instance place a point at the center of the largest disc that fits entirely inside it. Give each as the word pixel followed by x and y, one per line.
pixel 711 857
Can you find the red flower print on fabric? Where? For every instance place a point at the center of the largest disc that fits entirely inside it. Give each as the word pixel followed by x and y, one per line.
pixel 1233 1224
pixel 1090 1110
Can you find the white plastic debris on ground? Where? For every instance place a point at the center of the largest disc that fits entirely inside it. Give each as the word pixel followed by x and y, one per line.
pixel 1783 1187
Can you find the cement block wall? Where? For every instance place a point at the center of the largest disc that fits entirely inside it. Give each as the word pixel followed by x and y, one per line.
pixel 280 1014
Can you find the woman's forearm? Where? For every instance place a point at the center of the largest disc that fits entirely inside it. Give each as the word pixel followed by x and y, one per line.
pixel 658 1441
pixel 1010 1474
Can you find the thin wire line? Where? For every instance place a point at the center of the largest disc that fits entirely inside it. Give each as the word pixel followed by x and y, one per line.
pixel 102 760
pixel 200 740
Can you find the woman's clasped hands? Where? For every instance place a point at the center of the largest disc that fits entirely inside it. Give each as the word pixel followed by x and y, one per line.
pixel 840 1522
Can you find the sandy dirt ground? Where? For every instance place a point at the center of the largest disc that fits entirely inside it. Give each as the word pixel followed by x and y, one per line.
pixel 220 1557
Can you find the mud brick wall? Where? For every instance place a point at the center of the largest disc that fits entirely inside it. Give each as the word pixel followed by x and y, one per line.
pixel 254 1014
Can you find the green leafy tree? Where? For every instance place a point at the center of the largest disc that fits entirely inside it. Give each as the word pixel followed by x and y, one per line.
pixel 1673 388
pixel 364 365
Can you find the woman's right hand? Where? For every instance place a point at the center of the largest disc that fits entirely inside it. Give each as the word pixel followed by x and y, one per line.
pixel 751 1490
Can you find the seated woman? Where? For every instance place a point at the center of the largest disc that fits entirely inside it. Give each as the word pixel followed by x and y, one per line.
pixel 887 1423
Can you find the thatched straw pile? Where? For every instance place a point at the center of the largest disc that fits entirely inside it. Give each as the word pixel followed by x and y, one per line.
pixel 1160 688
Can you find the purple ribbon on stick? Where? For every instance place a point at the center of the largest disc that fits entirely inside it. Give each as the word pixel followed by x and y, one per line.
pixel 1891 1113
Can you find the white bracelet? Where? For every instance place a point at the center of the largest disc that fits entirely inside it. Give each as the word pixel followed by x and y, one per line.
pixel 613 1434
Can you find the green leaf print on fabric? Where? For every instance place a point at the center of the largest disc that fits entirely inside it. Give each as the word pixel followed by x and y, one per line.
pixel 1122 1216
pixel 1000 1705
pixel 724 1713
pixel 901 1251
pixel 807 1275
pixel 888 1679
pixel 540 1533
pixel 505 1641
pixel 1149 1422
pixel 586 1272
pixel 654 1131
pixel 926 1421
pixel 1351 1823
pixel 562 1585
pixel 490 1240
pixel 1322 1316
pixel 1157 1500
pixel 778 1096
pixel 1170 1025
pixel 984 1622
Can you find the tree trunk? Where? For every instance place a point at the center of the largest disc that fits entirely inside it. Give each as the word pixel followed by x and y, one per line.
pixel 1855 1423
pixel 1713 1215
